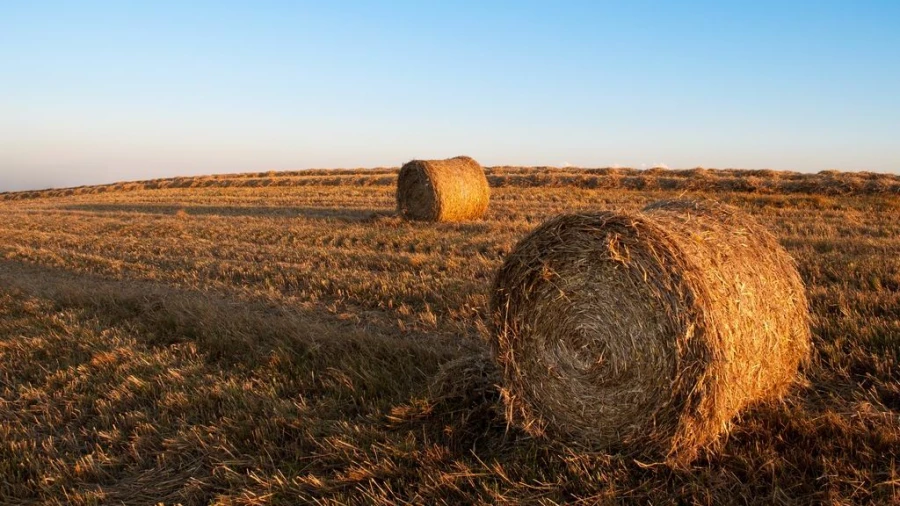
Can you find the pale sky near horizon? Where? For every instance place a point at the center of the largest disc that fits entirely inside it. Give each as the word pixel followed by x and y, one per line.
pixel 97 92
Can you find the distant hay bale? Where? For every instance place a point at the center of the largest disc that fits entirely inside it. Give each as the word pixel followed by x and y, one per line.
pixel 442 190
pixel 646 332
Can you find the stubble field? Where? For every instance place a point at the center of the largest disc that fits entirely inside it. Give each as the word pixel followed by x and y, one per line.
pixel 279 339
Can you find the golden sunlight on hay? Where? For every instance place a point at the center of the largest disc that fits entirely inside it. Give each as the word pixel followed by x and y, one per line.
pixel 442 190
pixel 647 332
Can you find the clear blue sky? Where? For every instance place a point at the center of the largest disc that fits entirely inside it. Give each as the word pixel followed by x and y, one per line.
pixel 96 92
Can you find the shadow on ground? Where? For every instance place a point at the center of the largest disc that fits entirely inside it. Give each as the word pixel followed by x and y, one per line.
pixel 335 213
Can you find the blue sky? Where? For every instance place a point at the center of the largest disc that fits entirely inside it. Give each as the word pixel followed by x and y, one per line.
pixel 94 92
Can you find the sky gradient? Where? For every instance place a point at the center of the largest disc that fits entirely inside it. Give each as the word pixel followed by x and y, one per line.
pixel 98 92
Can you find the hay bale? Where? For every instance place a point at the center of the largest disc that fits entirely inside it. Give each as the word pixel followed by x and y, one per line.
pixel 442 190
pixel 647 332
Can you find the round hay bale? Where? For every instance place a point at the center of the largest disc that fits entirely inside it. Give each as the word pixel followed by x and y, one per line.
pixel 648 332
pixel 442 190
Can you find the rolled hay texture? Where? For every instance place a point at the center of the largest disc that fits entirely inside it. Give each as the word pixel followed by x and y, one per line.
pixel 648 332
pixel 455 189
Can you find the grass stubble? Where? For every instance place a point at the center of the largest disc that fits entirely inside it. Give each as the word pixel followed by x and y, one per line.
pixel 227 340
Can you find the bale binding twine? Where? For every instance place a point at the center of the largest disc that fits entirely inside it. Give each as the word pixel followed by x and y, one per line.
pixel 646 332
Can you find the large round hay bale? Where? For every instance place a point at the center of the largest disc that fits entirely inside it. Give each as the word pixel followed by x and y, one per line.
pixel 646 332
pixel 442 190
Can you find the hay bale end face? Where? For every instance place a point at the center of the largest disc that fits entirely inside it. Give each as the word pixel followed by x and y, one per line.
pixel 455 189
pixel 646 333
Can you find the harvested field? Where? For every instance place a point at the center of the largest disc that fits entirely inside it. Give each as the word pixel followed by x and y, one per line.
pixel 285 338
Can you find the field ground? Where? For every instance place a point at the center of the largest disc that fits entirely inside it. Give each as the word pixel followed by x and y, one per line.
pixel 279 338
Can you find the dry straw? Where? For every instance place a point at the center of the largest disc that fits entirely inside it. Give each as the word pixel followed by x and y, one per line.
pixel 646 332
pixel 442 190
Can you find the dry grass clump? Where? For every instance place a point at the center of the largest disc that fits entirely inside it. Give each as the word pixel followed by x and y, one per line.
pixel 455 189
pixel 463 403
pixel 647 332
